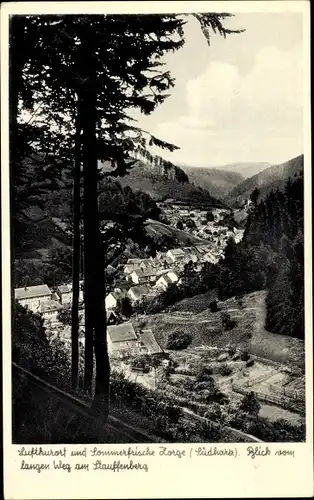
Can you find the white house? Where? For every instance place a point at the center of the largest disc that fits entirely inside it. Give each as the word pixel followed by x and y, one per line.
pixel 163 282
pixel 111 301
pixel 176 254
pixel 33 296
pixel 140 276
pixel 131 265
pixel 137 293
pixel 49 310
pixel 122 339
pixel 64 294
pixel 173 276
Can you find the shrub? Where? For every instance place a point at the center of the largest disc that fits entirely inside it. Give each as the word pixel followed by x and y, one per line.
pixel 204 373
pixel 43 355
pixel 249 363
pixel 124 307
pixel 211 431
pixel 232 350
pixel 225 370
pixel 213 306
pixel 240 301
pixel 245 355
pixel 200 386
pixel 159 408
pixel 250 404
pixel 227 322
pixel 214 412
pixel 65 316
pixel 179 340
pixel 185 371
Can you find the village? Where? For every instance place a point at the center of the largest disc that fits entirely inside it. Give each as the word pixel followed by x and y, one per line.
pixel 134 350
pixel 138 279
pixel 202 223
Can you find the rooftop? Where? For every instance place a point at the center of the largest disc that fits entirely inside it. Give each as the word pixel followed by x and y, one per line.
pixel 64 289
pixel 32 292
pixel 133 261
pixel 142 274
pixel 49 306
pixel 166 279
pixel 121 333
pixel 148 339
pixel 141 290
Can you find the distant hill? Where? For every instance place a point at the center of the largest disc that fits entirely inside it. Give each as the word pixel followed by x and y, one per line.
pixel 273 177
pixel 166 181
pixel 217 181
pixel 246 169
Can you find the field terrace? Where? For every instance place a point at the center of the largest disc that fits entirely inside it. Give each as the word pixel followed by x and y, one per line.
pixel 258 378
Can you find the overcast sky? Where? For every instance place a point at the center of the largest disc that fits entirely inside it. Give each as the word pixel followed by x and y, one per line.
pixel 238 100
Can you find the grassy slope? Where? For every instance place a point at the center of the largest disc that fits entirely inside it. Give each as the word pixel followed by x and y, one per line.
pixel 206 327
pixel 157 229
pixel 271 178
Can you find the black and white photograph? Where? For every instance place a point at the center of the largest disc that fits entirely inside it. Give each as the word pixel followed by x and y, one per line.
pixel 157 234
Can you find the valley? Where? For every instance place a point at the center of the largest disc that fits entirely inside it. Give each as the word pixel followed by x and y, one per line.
pixel 160 292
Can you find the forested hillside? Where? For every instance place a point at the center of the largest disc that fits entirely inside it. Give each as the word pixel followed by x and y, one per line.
pixel 43 231
pixel 270 257
pixel 173 184
pixel 271 178
pixel 217 181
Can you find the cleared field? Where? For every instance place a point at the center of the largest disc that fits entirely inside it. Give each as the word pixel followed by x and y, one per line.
pixel 194 316
pixel 272 413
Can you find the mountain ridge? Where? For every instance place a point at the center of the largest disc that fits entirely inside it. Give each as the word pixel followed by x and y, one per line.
pixel 273 177
pixel 166 180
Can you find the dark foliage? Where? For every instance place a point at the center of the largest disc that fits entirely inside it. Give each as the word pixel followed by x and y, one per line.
pixel 179 340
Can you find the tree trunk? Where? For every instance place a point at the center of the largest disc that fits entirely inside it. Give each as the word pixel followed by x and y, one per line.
pixel 95 315
pixel 76 255
pixel 101 398
pixel 16 59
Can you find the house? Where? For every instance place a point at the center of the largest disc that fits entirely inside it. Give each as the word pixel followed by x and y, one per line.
pixel 64 294
pixel 168 261
pixel 139 276
pixel 173 276
pixel 33 296
pixel 111 301
pixel 122 340
pixel 149 344
pixel 147 264
pixel 206 258
pixel 135 261
pixel 111 317
pixel 49 310
pixel 189 258
pixel 129 268
pixel 176 254
pixel 137 293
pixel 81 290
pixel 163 282
pixel 183 213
